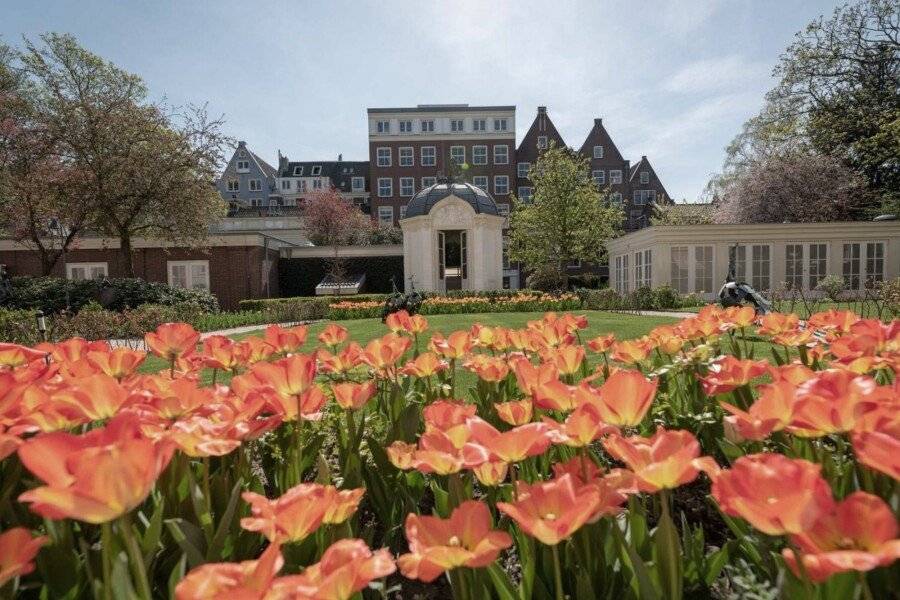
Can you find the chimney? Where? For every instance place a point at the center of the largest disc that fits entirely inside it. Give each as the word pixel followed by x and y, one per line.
pixel 542 110
pixel 340 157
pixel 282 162
pixel 644 157
pixel 242 144
pixel 598 122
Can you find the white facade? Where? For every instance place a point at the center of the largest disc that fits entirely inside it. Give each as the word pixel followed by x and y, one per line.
pixel 695 258
pixel 442 122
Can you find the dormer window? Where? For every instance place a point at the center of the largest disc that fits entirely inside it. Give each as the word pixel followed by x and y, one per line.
pixel 500 125
pixel 598 151
pixel 405 126
pixel 542 142
pixel 383 126
pixel 645 177
pixel 479 125
pixel 317 170
pixel 298 171
pixel 243 166
pixel 427 126
pixel 456 125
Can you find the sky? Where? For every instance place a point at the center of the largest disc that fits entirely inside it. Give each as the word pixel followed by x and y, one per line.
pixel 673 80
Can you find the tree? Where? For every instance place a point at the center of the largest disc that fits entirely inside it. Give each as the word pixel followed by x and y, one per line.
pixel 148 169
pixel 801 188
pixel 567 219
pixel 330 220
pixel 685 213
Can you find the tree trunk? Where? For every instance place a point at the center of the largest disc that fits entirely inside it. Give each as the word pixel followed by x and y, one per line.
pixel 48 261
pixel 125 254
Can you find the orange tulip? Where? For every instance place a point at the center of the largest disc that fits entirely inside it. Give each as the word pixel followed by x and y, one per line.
pixel 551 511
pixel 344 361
pixel 446 414
pixel 584 471
pixel 771 412
pixel 487 444
pixel 838 321
pixel 97 397
pixel 542 383
pixel 118 363
pixel 73 349
pixel 384 352
pixel 794 373
pixel 288 384
pixel 729 373
pixel 632 351
pixel 494 338
pixel 347 567
pixel 437 452
pixel 172 399
pixel 333 335
pixel 290 518
pixel 95 477
pixel 453 347
pixel 220 352
pixel 516 412
pixel 488 368
pixel 426 364
pixel 623 400
pixel 857 534
pixel 14 355
pixel 665 460
pixel 464 540
pixel 602 343
pixel 878 450
pixel 402 455
pixel 402 322
pixel 581 427
pixel 172 341
pixel 834 401
pixel 248 580
pixel 201 437
pixel 774 493
pixel 9 443
pixel 738 317
pixel 776 323
pixel 341 504
pixel 666 339
pixel 353 396
pixel 567 359
pixel 256 349
pixel 490 473
pixel 17 551
pixel 285 340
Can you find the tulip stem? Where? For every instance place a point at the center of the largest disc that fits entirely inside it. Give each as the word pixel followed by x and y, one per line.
pixel 105 552
pixel 557 572
pixel 864 585
pixel 135 557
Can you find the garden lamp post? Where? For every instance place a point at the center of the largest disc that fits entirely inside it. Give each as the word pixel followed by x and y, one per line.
pixel 41 319
pixel 57 228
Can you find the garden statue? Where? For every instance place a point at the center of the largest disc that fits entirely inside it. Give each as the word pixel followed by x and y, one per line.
pixel 6 290
pixel 398 301
pixel 737 293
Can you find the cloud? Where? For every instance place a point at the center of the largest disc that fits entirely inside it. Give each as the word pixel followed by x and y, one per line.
pixel 717 73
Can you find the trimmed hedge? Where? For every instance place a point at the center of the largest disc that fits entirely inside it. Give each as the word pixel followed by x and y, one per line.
pixel 264 303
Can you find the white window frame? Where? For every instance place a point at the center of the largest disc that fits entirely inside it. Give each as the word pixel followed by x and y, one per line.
pixel 87 268
pixel 428 181
pixel 615 176
pixel 254 185
pixel 505 154
pixel 479 125
pixel 285 184
pixel 481 181
pixel 598 151
pixel 405 126
pixel 385 191
pixel 501 124
pixel 357 184
pixel 431 159
pixel 642 266
pixel 696 287
pixel 524 193
pixel 682 282
pixel 242 166
pixel 316 171
pixel 809 277
pixel 426 125
pixel 746 266
pixel 498 189
pixel 298 171
pixel 190 275
pixel 383 156
pixel 599 177
pixel 863 274
pixel 542 142
pixel 403 212
pixel 383 126
pixel 456 150
pixel 317 183
pixel 386 215
pixel 233 185
pixel 406 156
pixel 483 158
pixel 409 183
pixel 645 177
pixel 643 197
pixel 522 169
pixel 457 125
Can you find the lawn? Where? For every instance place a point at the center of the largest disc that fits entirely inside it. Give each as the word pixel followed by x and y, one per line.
pixel 625 326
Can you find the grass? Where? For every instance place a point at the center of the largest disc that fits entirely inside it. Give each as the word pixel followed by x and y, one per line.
pixel 625 326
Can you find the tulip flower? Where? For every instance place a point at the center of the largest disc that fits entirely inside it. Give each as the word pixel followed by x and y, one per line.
pixel 288 384
pixel 285 340
pixel 118 362
pixel 17 551
pixel 220 352
pixel 602 343
pixel 399 322
pixel 567 359
pixel 464 540
pixel 9 443
pixel 666 339
pixel 493 338
pixel 95 477
pixel 96 397
pixel 342 362
pixel 878 450
pixel 333 335
pixel 580 428
pixel 623 400
pixel 773 411
pixel 631 351
pixel 794 373
pixel 491 473
pixel 776 323
pixel 290 518
pixel 453 347
pixel 256 349
pixel 383 353
pixel 738 317
pixel 515 412
pixel 838 321
pixel 341 504
pixel 551 511
pixel 173 399
pixel 353 396
pixel 424 365
pixel 172 341
pixel 447 414
pixel 488 368
pixel 666 460
pixel 346 567
pixel 774 493
pixel 73 349
pixel 857 534
pixel 248 580
pixel 201 437
pixel 729 373
pixel 834 401
pixel 511 446
pixel 14 355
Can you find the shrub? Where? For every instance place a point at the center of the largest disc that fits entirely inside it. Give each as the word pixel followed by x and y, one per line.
pixel 832 286
pixel 604 299
pixel 641 299
pixel 546 279
pixel 665 297
pixel 19 326
pixel 691 300
pixel 585 280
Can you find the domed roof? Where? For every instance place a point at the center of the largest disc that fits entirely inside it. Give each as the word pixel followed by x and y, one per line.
pixel 424 201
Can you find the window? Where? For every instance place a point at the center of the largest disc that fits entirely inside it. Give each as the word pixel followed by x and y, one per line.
pixel 386 215
pixel 405 126
pixel 298 171
pixel 243 166
pixel 254 185
pixel 503 208
pixel 383 126
pixel 851 266
pixel 256 202
pixel 760 268
pixel 479 155
pixel 642 197
pixel 301 185
pixel 500 125
pixel 793 266
pixel 525 193
pixel 190 274
pixel 428 156
pixel 87 270
pixel 407 186
pixel 642 269
pixel 285 184
pixel 501 155
pixel 428 181
pixel 317 184
pixel 856 256
pixel 874 262
pixel 406 156
pixel 703 268
pixel 358 184
pixel 317 170
pixel 679 269
pixel 456 125
pixel 616 197
pixel 818 263
pixel 458 154
pixel 615 176
pixel 385 187
pixel 599 177
pixel 479 125
pixel 522 169
pixel 501 185
pixel 645 177
pixel 233 185
pixel 622 270
pixel 598 151
pixel 383 157
pixel 402 212
pixel 505 252
pixel 481 181
pixel 427 126
pixel 542 142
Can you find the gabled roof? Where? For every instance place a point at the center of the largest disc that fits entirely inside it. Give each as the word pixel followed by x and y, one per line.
pixel 655 181
pixel 542 125
pixel 265 167
pixel 598 136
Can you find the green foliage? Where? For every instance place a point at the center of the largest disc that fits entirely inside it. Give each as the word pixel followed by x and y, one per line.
pixel 642 298
pixel 665 297
pixel 832 286
pixel 547 278
pixel 603 299
pixel 682 214
pixel 19 326
pixel 567 218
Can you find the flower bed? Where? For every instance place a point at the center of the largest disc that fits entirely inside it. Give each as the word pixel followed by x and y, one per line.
pixel 674 465
pixel 456 304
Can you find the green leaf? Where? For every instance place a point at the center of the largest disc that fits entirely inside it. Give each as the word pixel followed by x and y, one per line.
pixel 502 585
pixel 121 579
pixel 715 562
pixel 646 589
pixel 218 541
pixel 441 500
pixel 150 540
pixel 323 471
pixel 668 552
pixel 177 574
pixel 178 528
